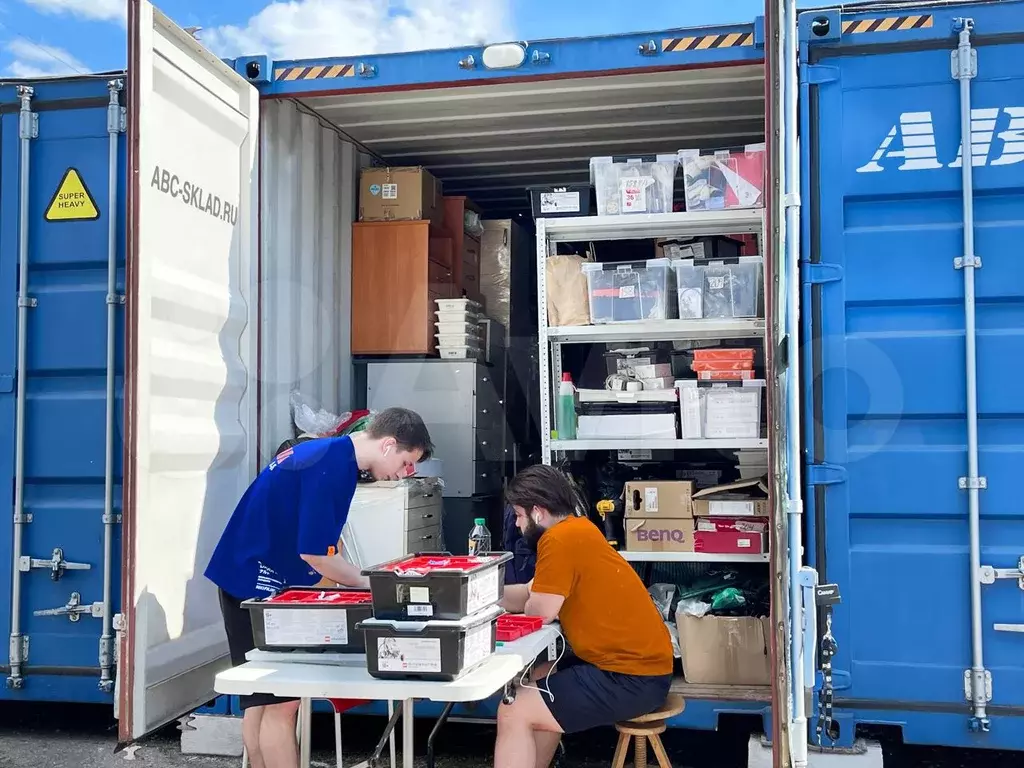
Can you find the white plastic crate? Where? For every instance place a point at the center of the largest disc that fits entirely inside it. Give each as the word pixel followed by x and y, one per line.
pixel 466 327
pixel 458 305
pixel 460 353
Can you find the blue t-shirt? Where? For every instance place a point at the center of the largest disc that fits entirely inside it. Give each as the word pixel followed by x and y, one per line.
pixel 296 506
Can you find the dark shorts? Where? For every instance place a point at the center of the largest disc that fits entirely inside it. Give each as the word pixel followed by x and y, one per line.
pixel 585 697
pixel 240 642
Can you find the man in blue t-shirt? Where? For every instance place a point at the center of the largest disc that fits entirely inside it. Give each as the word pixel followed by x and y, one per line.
pixel 285 531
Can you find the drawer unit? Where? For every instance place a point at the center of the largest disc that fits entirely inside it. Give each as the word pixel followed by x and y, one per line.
pixel 391 519
pixel 462 408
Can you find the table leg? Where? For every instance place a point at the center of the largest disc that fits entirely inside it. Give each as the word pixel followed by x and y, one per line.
pixel 391 735
pixel 408 720
pixel 387 736
pixel 306 730
pixel 436 729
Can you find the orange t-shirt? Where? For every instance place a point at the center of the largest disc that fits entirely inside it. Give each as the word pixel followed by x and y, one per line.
pixel 608 617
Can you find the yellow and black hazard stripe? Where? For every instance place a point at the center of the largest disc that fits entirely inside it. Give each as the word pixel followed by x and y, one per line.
pixel 887 24
pixel 707 42
pixel 317 72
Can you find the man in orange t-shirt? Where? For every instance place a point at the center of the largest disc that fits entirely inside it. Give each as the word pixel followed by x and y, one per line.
pixel 621 662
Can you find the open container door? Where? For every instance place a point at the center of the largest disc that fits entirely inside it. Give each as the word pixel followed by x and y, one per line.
pixel 191 347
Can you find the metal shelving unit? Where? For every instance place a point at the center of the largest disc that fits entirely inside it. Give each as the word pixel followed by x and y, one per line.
pixel 638 227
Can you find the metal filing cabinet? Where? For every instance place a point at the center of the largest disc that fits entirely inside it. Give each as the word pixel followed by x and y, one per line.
pixel 462 408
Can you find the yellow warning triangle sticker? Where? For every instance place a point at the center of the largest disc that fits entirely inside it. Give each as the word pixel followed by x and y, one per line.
pixel 72 201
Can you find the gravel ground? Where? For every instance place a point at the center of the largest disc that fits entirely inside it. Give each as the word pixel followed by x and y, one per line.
pixel 59 736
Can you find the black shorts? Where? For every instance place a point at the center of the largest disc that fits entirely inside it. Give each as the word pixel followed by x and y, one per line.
pixel 240 641
pixel 585 697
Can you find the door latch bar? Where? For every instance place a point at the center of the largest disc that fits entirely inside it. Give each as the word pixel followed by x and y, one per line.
pixel 74 609
pixel 988 575
pixel 56 564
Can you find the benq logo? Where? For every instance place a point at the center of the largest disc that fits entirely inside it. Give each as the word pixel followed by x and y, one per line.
pixel 917 135
pixel 664 534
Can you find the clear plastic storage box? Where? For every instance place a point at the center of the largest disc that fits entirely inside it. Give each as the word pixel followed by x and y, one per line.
pixel 718 289
pixel 714 180
pixel 625 291
pixel 719 410
pixel 642 184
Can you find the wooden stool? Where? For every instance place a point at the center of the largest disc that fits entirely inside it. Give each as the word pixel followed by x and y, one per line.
pixel 644 728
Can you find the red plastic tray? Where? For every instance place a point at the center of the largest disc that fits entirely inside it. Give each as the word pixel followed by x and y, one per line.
pixel 708 355
pixel 513 627
pixel 319 597
pixel 427 563
pixel 725 375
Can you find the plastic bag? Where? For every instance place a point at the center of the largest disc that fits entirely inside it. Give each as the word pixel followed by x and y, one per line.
pixel 568 294
pixel 729 598
pixel 663 595
pixel 690 607
pixel 310 421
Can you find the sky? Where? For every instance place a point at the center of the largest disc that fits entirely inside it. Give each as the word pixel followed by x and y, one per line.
pixel 56 37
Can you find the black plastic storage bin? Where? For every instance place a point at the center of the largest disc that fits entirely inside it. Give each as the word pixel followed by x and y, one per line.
pixel 297 619
pixel 437 585
pixel 429 650
pixel 559 200
pixel 702 248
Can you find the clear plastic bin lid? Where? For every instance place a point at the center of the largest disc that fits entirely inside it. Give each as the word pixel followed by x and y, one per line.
pixel 740 384
pixel 624 266
pixel 756 259
pixel 631 160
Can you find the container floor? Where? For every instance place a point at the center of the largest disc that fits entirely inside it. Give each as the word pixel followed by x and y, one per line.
pixel 58 736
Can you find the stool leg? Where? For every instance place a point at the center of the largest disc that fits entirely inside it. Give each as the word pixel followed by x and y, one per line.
pixel 337 738
pixel 640 761
pixel 245 757
pixel 620 751
pixel 659 751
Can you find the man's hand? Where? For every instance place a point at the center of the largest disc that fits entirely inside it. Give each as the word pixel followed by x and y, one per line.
pixel 337 569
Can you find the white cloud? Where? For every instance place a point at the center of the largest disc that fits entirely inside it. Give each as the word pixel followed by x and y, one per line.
pixel 295 29
pixel 93 10
pixel 37 60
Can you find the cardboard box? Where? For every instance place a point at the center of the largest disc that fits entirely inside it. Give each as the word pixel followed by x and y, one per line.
pixel 659 534
pixel 746 498
pixel 729 542
pixel 400 194
pixel 718 650
pixel 666 499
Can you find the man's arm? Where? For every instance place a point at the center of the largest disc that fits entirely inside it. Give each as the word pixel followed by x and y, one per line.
pixel 337 569
pixel 515 597
pixel 544 605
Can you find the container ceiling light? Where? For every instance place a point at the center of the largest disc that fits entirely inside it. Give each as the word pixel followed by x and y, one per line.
pixel 504 56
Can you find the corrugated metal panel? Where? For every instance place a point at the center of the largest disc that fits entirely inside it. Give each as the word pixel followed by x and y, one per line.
pixel 490 141
pixel 308 202
pixel 886 382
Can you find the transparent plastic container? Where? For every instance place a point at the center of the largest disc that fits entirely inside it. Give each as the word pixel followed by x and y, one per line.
pixel 718 289
pixel 720 410
pixel 721 179
pixel 642 184
pixel 629 291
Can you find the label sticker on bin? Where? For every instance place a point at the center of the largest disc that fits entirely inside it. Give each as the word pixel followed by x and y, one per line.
pixel 632 192
pixel 328 626
pixel 408 654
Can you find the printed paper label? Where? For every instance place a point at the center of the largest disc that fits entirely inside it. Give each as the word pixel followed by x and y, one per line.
pixel 389 191
pixel 627 292
pixel 315 626
pixel 731 508
pixel 743 543
pixel 716 282
pixel 651 499
pixel 420 610
pixel 632 193
pixel 635 454
pixel 419 594
pixel 483 590
pixel 409 654
pixel 478 645
pixel 560 202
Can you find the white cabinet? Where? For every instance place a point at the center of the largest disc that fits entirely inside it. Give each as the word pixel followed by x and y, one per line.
pixel 389 520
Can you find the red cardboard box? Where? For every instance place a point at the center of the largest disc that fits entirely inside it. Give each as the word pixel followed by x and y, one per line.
pixel 729 543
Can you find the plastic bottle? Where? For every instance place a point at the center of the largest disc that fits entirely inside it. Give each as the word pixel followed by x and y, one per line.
pixel 479 537
pixel 565 414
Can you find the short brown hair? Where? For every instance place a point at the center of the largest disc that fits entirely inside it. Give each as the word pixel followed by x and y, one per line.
pixel 405 426
pixel 543 487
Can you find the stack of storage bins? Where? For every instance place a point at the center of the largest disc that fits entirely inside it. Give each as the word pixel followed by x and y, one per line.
pixel 459 333
pixel 434 615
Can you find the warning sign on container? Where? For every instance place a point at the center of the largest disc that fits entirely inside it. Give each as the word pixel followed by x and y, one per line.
pixel 72 201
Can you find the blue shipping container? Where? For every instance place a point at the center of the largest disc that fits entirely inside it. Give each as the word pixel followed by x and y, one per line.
pixel 885 354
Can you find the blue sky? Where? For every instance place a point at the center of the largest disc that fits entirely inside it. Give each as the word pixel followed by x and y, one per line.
pixel 42 37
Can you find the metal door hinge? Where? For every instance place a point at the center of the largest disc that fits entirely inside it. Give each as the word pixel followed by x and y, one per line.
pixel 19 649
pixel 816 273
pixel 119 623
pixel 986 680
pixel 972 483
pixel 74 609
pixel 988 575
pixel 56 564
pixel 825 474
pixel 818 74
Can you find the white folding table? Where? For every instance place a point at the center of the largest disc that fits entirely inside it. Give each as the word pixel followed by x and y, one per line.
pixel 308 676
